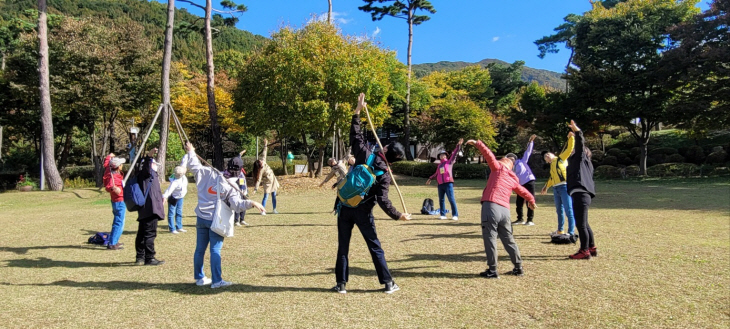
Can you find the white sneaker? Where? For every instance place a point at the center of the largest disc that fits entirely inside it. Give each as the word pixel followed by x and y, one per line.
pixel 221 284
pixel 182 230
pixel 238 224
pixel 442 217
pixel 263 213
pixel 204 281
pixel 455 218
pixel 174 232
pixel 244 223
pixel 529 223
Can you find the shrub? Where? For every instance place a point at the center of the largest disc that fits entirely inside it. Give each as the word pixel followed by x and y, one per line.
pixel 598 155
pixel 624 159
pixel 673 170
pixel 25 181
pixel 607 172
pixel 695 154
pixel 658 158
pixel 614 152
pixel 675 158
pixel 425 169
pixel 716 157
pixel 663 150
pixel 720 171
pixel 635 151
pixel 610 161
pixel 632 171
pixel 78 182
pixel 85 172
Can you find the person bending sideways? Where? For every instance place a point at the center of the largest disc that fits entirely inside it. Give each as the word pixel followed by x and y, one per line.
pixel 495 210
pixel 527 180
pixel 582 191
pixel 362 215
pixel 209 184
pixel 445 178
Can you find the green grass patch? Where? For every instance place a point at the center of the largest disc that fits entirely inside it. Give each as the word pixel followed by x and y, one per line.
pixel 664 263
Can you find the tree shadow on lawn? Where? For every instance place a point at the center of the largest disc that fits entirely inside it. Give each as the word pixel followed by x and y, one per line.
pixel 397 273
pixel 476 256
pixel 43 262
pixel 464 235
pixel 98 192
pixel 288 225
pixel 181 288
pixel 444 222
pixel 92 232
pixel 24 250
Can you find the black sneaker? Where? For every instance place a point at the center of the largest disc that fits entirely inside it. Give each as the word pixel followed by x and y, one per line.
pixel 517 271
pixel 154 262
pixel 340 287
pixel 139 262
pixel 391 287
pixel 489 274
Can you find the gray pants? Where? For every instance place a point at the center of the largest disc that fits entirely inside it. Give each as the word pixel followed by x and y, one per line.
pixel 496 222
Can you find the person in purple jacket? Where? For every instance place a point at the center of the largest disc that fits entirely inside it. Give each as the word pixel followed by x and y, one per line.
pixel 527 180
pixel 445 178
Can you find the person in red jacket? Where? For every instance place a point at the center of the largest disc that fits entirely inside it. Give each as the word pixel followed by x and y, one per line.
pixel 113 183
pixel 495 210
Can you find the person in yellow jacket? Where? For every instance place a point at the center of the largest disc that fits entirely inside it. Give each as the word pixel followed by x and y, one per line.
pixel 563 203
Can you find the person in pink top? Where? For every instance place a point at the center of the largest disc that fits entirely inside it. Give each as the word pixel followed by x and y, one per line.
pixel 495 210
pixel 444 176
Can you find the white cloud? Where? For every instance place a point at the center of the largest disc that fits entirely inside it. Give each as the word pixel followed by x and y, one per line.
pixel 376 32
pixel 337 17
pixel 495 39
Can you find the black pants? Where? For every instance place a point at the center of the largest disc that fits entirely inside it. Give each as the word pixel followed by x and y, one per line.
pixel 145 241
pixel 530 186
pixel 581 202
pixel 337 202
pixel 348 218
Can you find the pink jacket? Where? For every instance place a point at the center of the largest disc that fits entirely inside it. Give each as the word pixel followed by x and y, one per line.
pixel 444 171
pixel 502 181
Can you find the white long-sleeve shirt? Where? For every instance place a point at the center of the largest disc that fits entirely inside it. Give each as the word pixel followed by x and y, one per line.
pixel 178 188
pixel 209 184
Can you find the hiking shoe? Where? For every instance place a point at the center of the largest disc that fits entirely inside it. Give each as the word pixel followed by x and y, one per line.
pixel 581 254
pixel 340 287
pixel 518 222
pixel 204 281
pixel 221 284
pixel 454 217
pixel 442 217
pixel 593 251
pixel 276 212
pixel 173 232
pixel 529 223
pixel 182 230
pixel 154 262
pixel 391 287
pixel 489 274
pixel 139 262
pixel 114 247
pixel 517 271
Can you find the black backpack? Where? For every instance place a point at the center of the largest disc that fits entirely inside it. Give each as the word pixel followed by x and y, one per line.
pixel 427 207
pixel 100 238
pixel 564 238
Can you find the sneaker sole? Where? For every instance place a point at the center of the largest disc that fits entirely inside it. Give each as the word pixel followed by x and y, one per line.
pixel 392 291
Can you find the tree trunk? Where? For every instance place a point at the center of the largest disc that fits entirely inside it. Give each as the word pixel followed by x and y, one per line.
pixel 321 161
pixel 642 159
pixel 212 110
pixel 407 117
pixel 329 12
pixel 310 159
pixel 49 164
pixel 2 65
pixel 66 148
pixel 165 119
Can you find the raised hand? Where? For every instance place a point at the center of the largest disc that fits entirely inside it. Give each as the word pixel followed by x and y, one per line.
pixel 573 126
pixel 471 142
pixel 461 141
pixel 360 103
pixel 571 134
pixel 189 147
pixel 532 138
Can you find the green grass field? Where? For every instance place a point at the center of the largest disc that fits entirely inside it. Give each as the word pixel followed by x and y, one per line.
pixel 664 263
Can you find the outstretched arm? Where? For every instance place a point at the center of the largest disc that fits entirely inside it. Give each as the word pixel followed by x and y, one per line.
pixel 452 158
pixel 528 151
pixel 579 142
pixel 357 140
pixel 569 147
pixel 487 153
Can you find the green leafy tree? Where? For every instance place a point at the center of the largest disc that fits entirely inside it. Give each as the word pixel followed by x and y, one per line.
pixel 404 9
pixel 617 56
pixel 304 83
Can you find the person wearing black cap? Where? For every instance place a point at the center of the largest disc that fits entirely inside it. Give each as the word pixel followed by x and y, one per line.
pixel 362 214
pixel 445 179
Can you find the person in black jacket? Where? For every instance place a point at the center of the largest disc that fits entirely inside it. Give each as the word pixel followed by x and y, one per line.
pixel 362 215
pixel 582 190
pixel 152 211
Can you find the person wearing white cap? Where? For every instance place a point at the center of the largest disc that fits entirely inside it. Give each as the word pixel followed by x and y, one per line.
pixel 113 184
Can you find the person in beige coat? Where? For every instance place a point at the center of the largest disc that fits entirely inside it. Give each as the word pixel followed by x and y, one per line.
pixel 264 175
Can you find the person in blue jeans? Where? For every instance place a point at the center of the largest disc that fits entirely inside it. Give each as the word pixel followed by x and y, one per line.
pixel 113 184
pixel 557 180
pixel 174 195
pixel 445 178
pixel 210 183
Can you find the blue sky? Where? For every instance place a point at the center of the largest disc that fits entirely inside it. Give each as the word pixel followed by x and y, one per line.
pixel 461 30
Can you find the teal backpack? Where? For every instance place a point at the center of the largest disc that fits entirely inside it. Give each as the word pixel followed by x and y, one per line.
pixel 352 190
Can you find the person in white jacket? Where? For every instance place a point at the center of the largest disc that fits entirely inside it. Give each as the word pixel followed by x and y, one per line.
pixel 209 184
pixel 174 196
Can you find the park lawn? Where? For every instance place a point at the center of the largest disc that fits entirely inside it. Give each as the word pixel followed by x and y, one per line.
pixel 664 260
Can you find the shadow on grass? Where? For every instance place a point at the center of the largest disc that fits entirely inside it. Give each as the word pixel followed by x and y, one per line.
pixel 43 262
pixel 92 232
pixel 465 235
pixel 397 273
pixel 181 288
pixel 444 222
pixel 24 250
pixel 288 225
pixel 98 192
